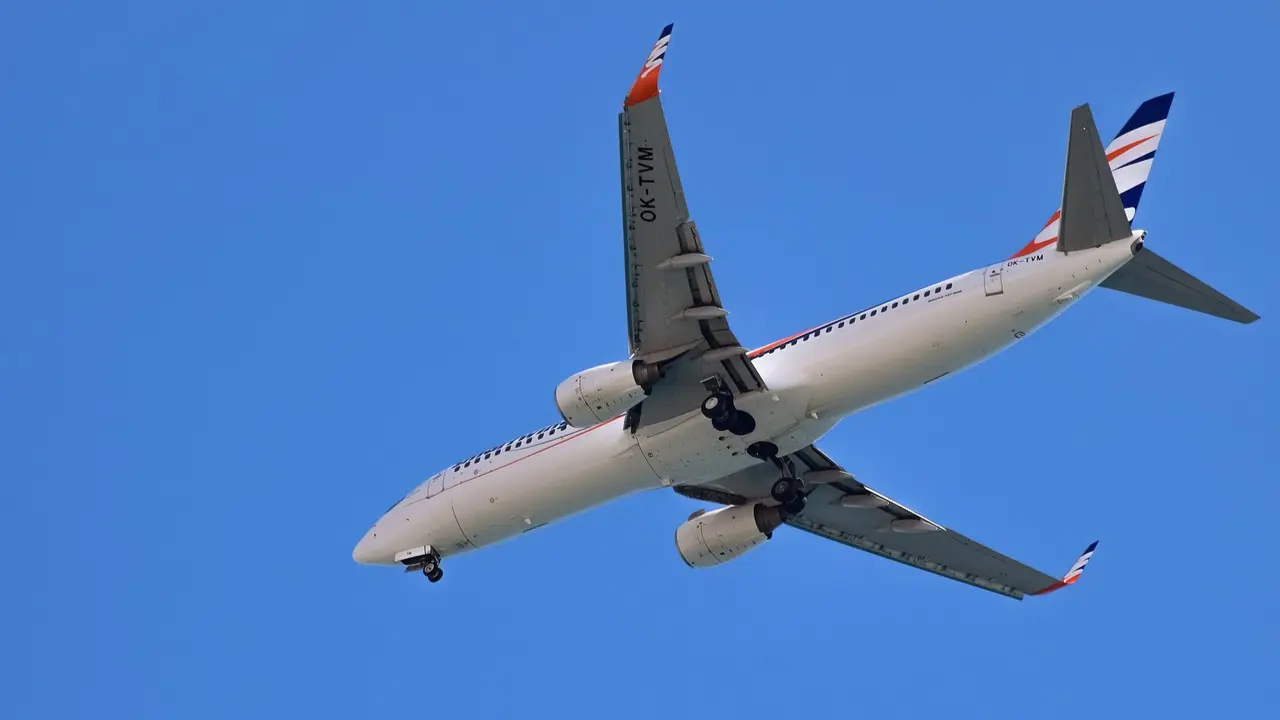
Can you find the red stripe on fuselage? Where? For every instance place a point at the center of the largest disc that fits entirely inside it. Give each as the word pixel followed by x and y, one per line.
pixel 1033 245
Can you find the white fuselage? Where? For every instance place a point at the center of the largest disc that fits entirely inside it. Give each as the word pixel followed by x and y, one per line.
pixel 814 379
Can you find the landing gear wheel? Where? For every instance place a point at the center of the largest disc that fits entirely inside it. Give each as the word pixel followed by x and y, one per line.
pixel 786 490
pixel 718 407
pixel 433 576
pixel 430 566
pixel 741 423
pixel 795 507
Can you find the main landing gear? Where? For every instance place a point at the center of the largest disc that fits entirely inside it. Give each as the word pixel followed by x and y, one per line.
pixel 719 409
pixel 788 490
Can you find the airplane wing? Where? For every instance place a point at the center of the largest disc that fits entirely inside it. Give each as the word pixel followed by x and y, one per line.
pixel 674 313
pixel 842 509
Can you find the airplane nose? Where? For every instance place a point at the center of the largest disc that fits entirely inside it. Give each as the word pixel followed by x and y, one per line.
pixel 367 551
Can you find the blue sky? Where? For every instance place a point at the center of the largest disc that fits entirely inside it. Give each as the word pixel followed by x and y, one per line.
pixel 269 265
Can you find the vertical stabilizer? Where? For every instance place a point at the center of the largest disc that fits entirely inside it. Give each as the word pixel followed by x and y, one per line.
pixel 1130 154
pixel 1092 212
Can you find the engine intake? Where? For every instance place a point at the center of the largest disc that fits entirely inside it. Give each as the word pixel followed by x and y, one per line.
pixel 600 393
pixel 713 538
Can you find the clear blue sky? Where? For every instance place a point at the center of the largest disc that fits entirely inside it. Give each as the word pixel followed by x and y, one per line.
pixel 269 265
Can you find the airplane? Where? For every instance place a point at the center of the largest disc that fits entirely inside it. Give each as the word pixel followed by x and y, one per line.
pixel 691 409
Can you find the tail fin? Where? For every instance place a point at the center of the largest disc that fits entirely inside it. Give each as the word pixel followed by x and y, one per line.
pixel 1133 150
pixel 1130 156
pixel 1092 213
pixel 1150 276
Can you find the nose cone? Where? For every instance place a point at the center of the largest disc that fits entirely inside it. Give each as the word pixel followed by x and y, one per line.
pixel 373 551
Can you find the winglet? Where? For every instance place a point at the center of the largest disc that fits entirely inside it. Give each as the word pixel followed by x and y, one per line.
pixel 646 85
pixel 1073 574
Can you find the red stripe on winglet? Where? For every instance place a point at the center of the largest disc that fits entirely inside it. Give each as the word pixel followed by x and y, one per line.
pixel 646 84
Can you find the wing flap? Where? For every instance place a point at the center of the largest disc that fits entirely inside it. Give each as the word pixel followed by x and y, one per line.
pixel 939 550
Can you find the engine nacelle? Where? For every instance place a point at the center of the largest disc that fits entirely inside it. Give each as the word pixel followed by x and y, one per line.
pixel 593 396
pixel 713 538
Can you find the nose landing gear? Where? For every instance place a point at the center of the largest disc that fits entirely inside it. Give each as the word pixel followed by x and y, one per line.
pixel 431 568
pixel 424 558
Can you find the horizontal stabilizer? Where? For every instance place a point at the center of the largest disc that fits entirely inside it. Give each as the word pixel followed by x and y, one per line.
pixel 1150 276
pixel 1092 211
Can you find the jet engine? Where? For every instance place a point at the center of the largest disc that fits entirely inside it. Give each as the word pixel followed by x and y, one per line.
pixel 714 538
pixel 593 396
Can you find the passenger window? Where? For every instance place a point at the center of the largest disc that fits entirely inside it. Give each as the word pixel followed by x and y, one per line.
pixel 895 305
pixel 841 323
pixel 948 286
pixel 917 297
pixel 873 313
pixel 486 456
pixel 884 309
pixel 540 434
pixel 467 464
pixel 926 293
pixel 937 290
pixel 864 316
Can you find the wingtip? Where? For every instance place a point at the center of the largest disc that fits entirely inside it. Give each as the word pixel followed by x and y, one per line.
pixel 646 85
pixel 1077 569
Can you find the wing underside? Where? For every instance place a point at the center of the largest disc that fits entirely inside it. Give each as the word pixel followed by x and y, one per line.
pixel 842 509
pixel 674 312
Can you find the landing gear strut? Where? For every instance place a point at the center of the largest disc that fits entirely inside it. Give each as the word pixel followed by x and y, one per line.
pixel 788 490
pixel 719 409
